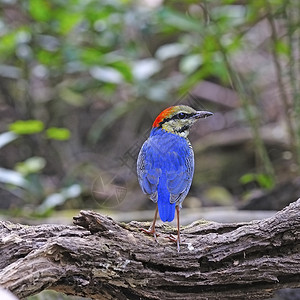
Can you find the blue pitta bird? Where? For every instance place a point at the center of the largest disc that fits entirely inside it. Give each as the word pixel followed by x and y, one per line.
pixel 165 164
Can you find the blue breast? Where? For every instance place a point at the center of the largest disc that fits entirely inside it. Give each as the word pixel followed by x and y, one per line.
pixel 165 170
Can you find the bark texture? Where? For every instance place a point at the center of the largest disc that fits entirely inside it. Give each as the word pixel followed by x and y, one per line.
pixel 102 259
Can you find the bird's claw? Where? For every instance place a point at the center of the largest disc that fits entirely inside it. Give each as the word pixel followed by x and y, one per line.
pixel 172 238
pixel 151 231
pixel 175 239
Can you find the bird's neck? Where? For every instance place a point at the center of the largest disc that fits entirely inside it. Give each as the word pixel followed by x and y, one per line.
pixel 168 129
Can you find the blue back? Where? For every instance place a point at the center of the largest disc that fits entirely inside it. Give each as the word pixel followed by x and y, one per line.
pixel 165 170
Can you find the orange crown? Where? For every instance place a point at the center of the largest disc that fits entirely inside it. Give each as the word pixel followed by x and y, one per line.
pixel 164 114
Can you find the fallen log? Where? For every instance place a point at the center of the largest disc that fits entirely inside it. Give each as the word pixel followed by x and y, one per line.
pixel 101 259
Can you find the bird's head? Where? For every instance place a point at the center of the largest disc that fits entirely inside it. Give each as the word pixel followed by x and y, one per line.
pixel 179 119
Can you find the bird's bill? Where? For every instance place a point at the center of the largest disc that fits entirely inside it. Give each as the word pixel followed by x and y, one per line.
pixel 203 114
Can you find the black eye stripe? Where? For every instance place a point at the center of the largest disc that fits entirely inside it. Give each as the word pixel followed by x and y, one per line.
pixel 176 117
pixel 183 115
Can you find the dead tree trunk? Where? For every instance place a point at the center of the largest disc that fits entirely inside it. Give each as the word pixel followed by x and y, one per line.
pixel 101 259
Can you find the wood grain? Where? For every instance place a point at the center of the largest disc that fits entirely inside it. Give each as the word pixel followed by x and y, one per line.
pixel 102 259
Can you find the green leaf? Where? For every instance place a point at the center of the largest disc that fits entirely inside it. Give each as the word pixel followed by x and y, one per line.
pixel 31 165
pixel 124 68
pixel 282 48
pixel 228 1
pixel 40 10
pixel 179 20
pixel 219 69
pixel 60 134
pixel 9 41
pixel 265 181
pixel 90 56
pixel 27 127
pixel 247 178
pixel 228 15
pixel 48 58
pixel 70 96
pixel 67 21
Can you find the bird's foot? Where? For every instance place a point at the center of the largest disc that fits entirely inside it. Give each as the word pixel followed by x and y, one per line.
pixel 151 231
pixel 175 239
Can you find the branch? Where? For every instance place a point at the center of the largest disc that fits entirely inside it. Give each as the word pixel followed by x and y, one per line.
pixel 102 259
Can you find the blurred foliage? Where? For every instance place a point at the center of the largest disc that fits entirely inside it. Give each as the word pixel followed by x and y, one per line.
pixel 26 127
pixel 263 180
pixel 79 80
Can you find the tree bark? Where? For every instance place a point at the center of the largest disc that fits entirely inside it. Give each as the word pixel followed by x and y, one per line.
pixel 102 259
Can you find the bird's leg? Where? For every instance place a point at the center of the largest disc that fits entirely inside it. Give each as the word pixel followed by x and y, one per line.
pixel 178 229
pixel 151 229
pixel 172 237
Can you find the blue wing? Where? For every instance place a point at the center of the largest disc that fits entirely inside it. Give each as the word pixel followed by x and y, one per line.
pixel 165 170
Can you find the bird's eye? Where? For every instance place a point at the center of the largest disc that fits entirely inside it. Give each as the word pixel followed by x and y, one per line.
pixel 181 115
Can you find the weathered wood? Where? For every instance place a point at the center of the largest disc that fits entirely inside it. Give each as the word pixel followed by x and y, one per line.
pixel 101 259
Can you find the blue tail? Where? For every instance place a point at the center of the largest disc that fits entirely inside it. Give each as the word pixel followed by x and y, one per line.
pixel 165 208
